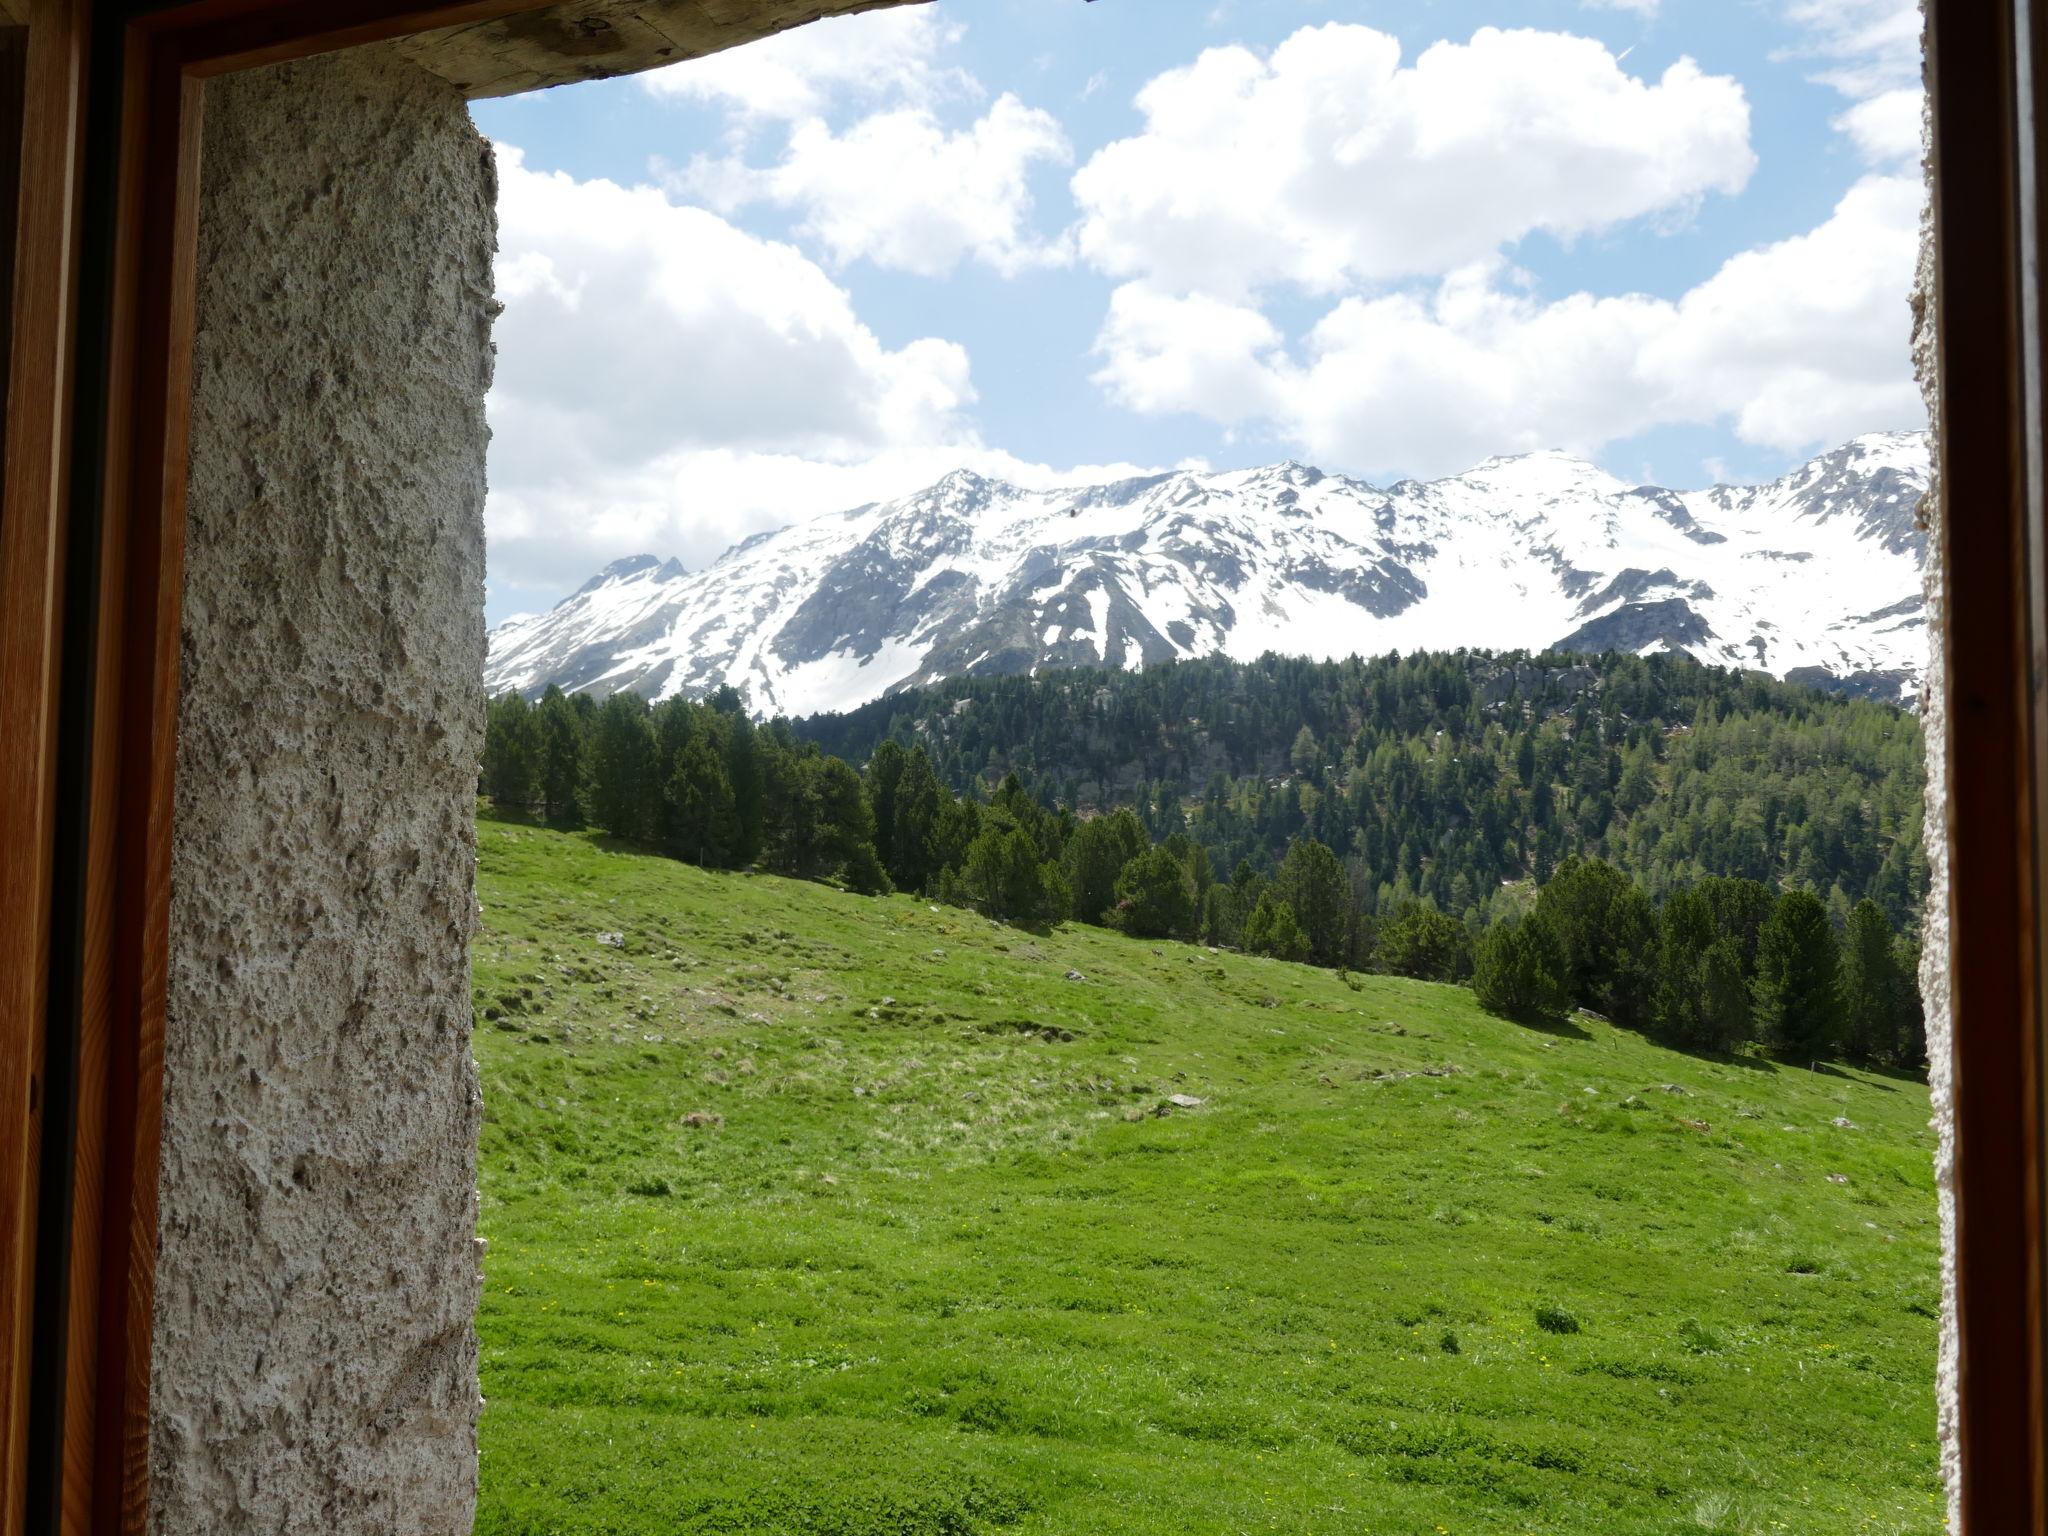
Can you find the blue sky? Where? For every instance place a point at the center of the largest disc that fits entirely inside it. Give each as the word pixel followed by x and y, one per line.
pixel 1060 240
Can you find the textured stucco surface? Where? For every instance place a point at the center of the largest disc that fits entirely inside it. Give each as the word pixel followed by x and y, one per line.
pixel 1934 952
pixel 597 39
pixel 315 1364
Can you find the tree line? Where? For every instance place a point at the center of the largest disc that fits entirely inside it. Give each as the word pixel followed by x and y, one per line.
pixel 1719 965
pixel 698 781
pixel 1446 777
pixel 1709 960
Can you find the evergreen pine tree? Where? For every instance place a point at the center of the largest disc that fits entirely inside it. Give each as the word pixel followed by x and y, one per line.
pixel 1518 971
pixel 1724 1011
pixel 1154 897
pixel 954 829
pixel 1095 855
pixel 885 772
pixel 847 829
pixel 1870 986
pixel 912 863
pixel 1312 882
pixel 511 753
pixel 745 771
pixel 673 723
pixel 561 758
pixel 1271 929
pixel 1003 876
pixel 703 821
pixel 621 756
pixel 1420 941
pixel 1911 1049
pixel 1796 993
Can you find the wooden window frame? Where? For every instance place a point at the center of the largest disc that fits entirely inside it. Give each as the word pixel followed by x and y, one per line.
pixel 91 571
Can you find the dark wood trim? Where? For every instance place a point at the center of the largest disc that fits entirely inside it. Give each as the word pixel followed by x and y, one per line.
pixel 33 487
pixel 13 85
pixel 1987 355
pixel 132 766
pixel 130 395
pixel 218 37
pixel 137 159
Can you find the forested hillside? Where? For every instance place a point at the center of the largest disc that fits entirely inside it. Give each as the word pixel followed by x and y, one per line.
pixel 1716 857
pixel 1442 776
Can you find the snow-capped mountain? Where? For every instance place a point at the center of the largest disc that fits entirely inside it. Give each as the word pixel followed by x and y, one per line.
pixel 1815 576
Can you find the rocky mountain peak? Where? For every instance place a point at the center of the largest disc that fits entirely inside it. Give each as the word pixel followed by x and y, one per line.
pixel 1815 574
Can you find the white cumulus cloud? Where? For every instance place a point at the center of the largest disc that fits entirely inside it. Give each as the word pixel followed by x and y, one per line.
pixel 1886 127
pixel 1865 47
pixel 636 329
pixel 1330 163
pixel 887 55
pixel 899 189
pixel 1870 51
pixel 1798 343
pixel 669 384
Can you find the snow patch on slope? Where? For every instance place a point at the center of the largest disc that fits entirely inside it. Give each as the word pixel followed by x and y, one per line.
pixel 1818 570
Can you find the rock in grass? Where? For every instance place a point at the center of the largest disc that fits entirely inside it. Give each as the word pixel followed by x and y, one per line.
pixel 1075 976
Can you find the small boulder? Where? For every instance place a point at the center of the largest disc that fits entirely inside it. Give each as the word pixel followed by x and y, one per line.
pixel 1075 976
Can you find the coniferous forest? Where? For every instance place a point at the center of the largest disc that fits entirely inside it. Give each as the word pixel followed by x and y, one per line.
pixel 1711 856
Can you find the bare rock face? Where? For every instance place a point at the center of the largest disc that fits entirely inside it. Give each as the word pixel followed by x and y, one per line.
pixel 1815 575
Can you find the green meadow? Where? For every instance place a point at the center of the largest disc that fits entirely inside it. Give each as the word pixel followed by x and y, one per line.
pixel 839 1216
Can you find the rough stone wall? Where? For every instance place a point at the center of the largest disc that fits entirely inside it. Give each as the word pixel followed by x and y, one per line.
pixel 315 1364
pixel 1934 953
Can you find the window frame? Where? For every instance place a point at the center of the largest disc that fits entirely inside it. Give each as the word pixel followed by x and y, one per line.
pixel 91 569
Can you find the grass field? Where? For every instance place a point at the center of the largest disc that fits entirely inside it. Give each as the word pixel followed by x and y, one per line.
pixel 817 1214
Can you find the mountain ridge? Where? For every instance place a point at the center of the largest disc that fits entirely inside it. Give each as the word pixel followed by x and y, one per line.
pixel 1815 573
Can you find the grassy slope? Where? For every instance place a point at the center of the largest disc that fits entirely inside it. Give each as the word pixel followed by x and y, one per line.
pixel 937 1274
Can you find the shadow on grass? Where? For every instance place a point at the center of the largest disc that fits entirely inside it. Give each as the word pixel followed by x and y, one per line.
pixel 1724 1058
pixel 487 810
pixel 1753 1063
pixel 1892 1079
pixel 1563 1027
pixel 1883 1079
